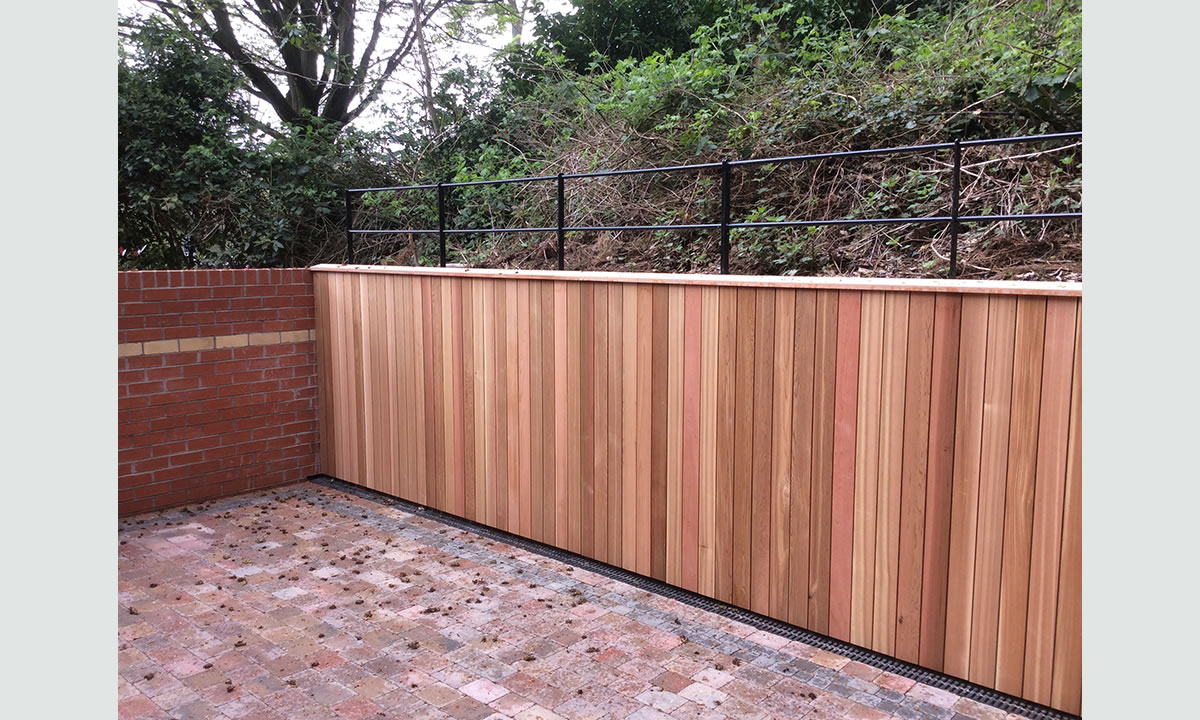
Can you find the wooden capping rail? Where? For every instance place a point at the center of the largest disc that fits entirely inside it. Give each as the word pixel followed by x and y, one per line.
pixel 988 287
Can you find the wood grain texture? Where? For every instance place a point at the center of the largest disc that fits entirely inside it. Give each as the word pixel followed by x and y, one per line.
pixel 964 509
pixel 690 439
pixel 470 472
pixel 359 380
pixel 325 427
pixel 800 486
pixel 395 454
pixel 537 413
pixel 616 410
pixel 340 374
pixel 643 431
pixel 1053 426
pixel 659 357
pixel 825 348
pixel 455 419
pixel 572 429
pixel 779 502
pixel 707 530
pixel 1066 689
pixel 673 379
pixel 891 458
pixel 893 466
pixel 503 408
pixel 993 475
pixel 375 372
pixel 913 495
pixel 549 419
pixel 629 445
pixel 587 429
pixel 845 425
pixel 743 449
pixel 513 383
pixel 600 437
pixel 1019 488
pixel 561 476
pixel 760 498
pixel 726 372
pixel 439 356
pixel 404 372
pixel 939 481
pixel 866 468
pixel 489 384
pixel 479 365
pixel 519 488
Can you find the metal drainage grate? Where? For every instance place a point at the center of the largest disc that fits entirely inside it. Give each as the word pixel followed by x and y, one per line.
pixel 962 688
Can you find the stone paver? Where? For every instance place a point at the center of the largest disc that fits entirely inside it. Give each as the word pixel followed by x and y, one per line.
pixel 311 603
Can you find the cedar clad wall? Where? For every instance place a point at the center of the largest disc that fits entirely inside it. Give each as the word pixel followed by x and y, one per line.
pixel 893 464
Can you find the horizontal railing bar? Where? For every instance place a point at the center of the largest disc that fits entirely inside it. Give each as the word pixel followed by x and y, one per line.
pixel 596 228
pixel 851 221
pixel 391 232
pixel 905 149
pixel 1021 138
pixel 579 228
pixel 905 220
pixel 538 178
pixel 459 232
pixel 639 171
pixel 753 161
pixel 500 230
pixel 502 181
pixel 1030 216
pixel 397 187
pixel 842 153
pixel 777 223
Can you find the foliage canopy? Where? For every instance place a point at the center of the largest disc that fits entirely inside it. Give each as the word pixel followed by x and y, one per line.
pixel 613 86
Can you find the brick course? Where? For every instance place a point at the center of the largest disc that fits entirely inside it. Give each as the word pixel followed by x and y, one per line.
pixel 217 384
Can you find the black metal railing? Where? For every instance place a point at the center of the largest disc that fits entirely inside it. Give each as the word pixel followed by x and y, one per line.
pixel 952 221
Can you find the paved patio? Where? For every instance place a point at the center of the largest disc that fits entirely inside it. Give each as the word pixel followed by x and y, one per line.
pixel 308 603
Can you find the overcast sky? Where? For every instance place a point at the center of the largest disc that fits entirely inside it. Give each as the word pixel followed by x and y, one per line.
pixel 399 89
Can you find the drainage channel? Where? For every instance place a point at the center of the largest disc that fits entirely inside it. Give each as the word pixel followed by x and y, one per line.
pixel 962 688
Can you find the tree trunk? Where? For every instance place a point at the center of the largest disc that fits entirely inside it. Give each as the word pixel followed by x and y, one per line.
pixel 426 73
pixel 518 21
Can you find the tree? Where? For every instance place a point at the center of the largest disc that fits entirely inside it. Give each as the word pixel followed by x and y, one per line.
pixel 619 29
pixel 303 57
pixel 514 13
pixel 183 130
pixel 198 184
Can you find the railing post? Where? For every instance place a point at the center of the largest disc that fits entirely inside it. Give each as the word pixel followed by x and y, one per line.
pixel 954 208
pixel 441 190
pixel 562 235
pixel 724 217
pixel 349 230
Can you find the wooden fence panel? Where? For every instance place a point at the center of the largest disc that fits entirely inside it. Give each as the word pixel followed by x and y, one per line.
pixel 820 518
pixel 939 479
pixel 1068 638
pixel 1048 497
pixel 892 463
pixel 911 503
pixel 968 431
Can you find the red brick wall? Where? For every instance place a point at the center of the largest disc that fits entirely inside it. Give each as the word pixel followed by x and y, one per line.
pixel 218 384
